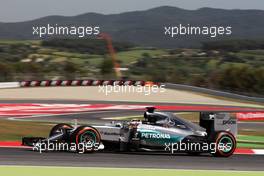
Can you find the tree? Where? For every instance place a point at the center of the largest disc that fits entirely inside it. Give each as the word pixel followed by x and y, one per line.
pixel 107 66
pixel 5 72
pixel 70 70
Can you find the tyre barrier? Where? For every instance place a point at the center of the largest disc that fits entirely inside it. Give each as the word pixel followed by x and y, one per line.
pixel 50 83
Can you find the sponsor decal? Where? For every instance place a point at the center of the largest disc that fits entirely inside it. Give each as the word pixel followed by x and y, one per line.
pixel 230 121
pixel 155 136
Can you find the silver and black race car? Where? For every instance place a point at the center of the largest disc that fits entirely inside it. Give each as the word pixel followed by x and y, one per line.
pixel 158 132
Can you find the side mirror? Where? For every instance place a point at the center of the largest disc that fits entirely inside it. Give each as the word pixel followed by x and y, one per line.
pixel 181 126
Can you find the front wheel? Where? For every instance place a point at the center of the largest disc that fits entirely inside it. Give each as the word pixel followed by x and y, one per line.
pixel 86 139
pixel 225 144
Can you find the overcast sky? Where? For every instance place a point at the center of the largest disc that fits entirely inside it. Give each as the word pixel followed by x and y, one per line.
pixel 21 10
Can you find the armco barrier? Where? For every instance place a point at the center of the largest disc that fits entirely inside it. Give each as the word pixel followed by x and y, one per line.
pixel 212 92
pixel 5 85
pixel 47 83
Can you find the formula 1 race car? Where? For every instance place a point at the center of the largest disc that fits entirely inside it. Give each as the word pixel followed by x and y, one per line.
pixel 158 132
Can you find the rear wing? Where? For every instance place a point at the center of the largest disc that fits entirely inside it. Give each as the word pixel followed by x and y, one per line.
pixel 218 121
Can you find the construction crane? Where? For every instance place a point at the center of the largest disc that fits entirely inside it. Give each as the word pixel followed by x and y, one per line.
pixel 112 52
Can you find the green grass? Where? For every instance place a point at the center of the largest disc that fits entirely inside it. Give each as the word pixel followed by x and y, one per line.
pixel 64 171
pixel 128 57
pixel 71 55
pixel 251 138
pixel 257 55
pixel 59 59
pixel 256 52
pixel 250 145
pixel 15 130
pixel 95 61
pixel 20 42
pixel 247 141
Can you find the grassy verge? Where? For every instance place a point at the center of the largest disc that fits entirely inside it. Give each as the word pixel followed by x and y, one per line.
pixel 64 171
pixel 247 141
pixel 127 57
pixel 19 41
pixel 251 138
pixel 15 130
pixel 250 145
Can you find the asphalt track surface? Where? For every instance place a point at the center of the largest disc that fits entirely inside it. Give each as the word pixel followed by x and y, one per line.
pixel 15 156
pixel 133 160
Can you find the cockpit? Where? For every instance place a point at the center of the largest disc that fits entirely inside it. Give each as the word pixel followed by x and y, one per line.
pixel 167 119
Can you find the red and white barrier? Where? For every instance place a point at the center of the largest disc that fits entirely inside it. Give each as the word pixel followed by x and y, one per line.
pixel 243 116
pixel 47 83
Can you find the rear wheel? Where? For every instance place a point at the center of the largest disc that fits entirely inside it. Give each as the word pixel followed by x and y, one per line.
pixel 225 144
pixel 86 138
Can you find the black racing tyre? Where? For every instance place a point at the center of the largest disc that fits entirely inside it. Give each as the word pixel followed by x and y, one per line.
pixel 225 144
pixel 60 128
pixel 87 137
